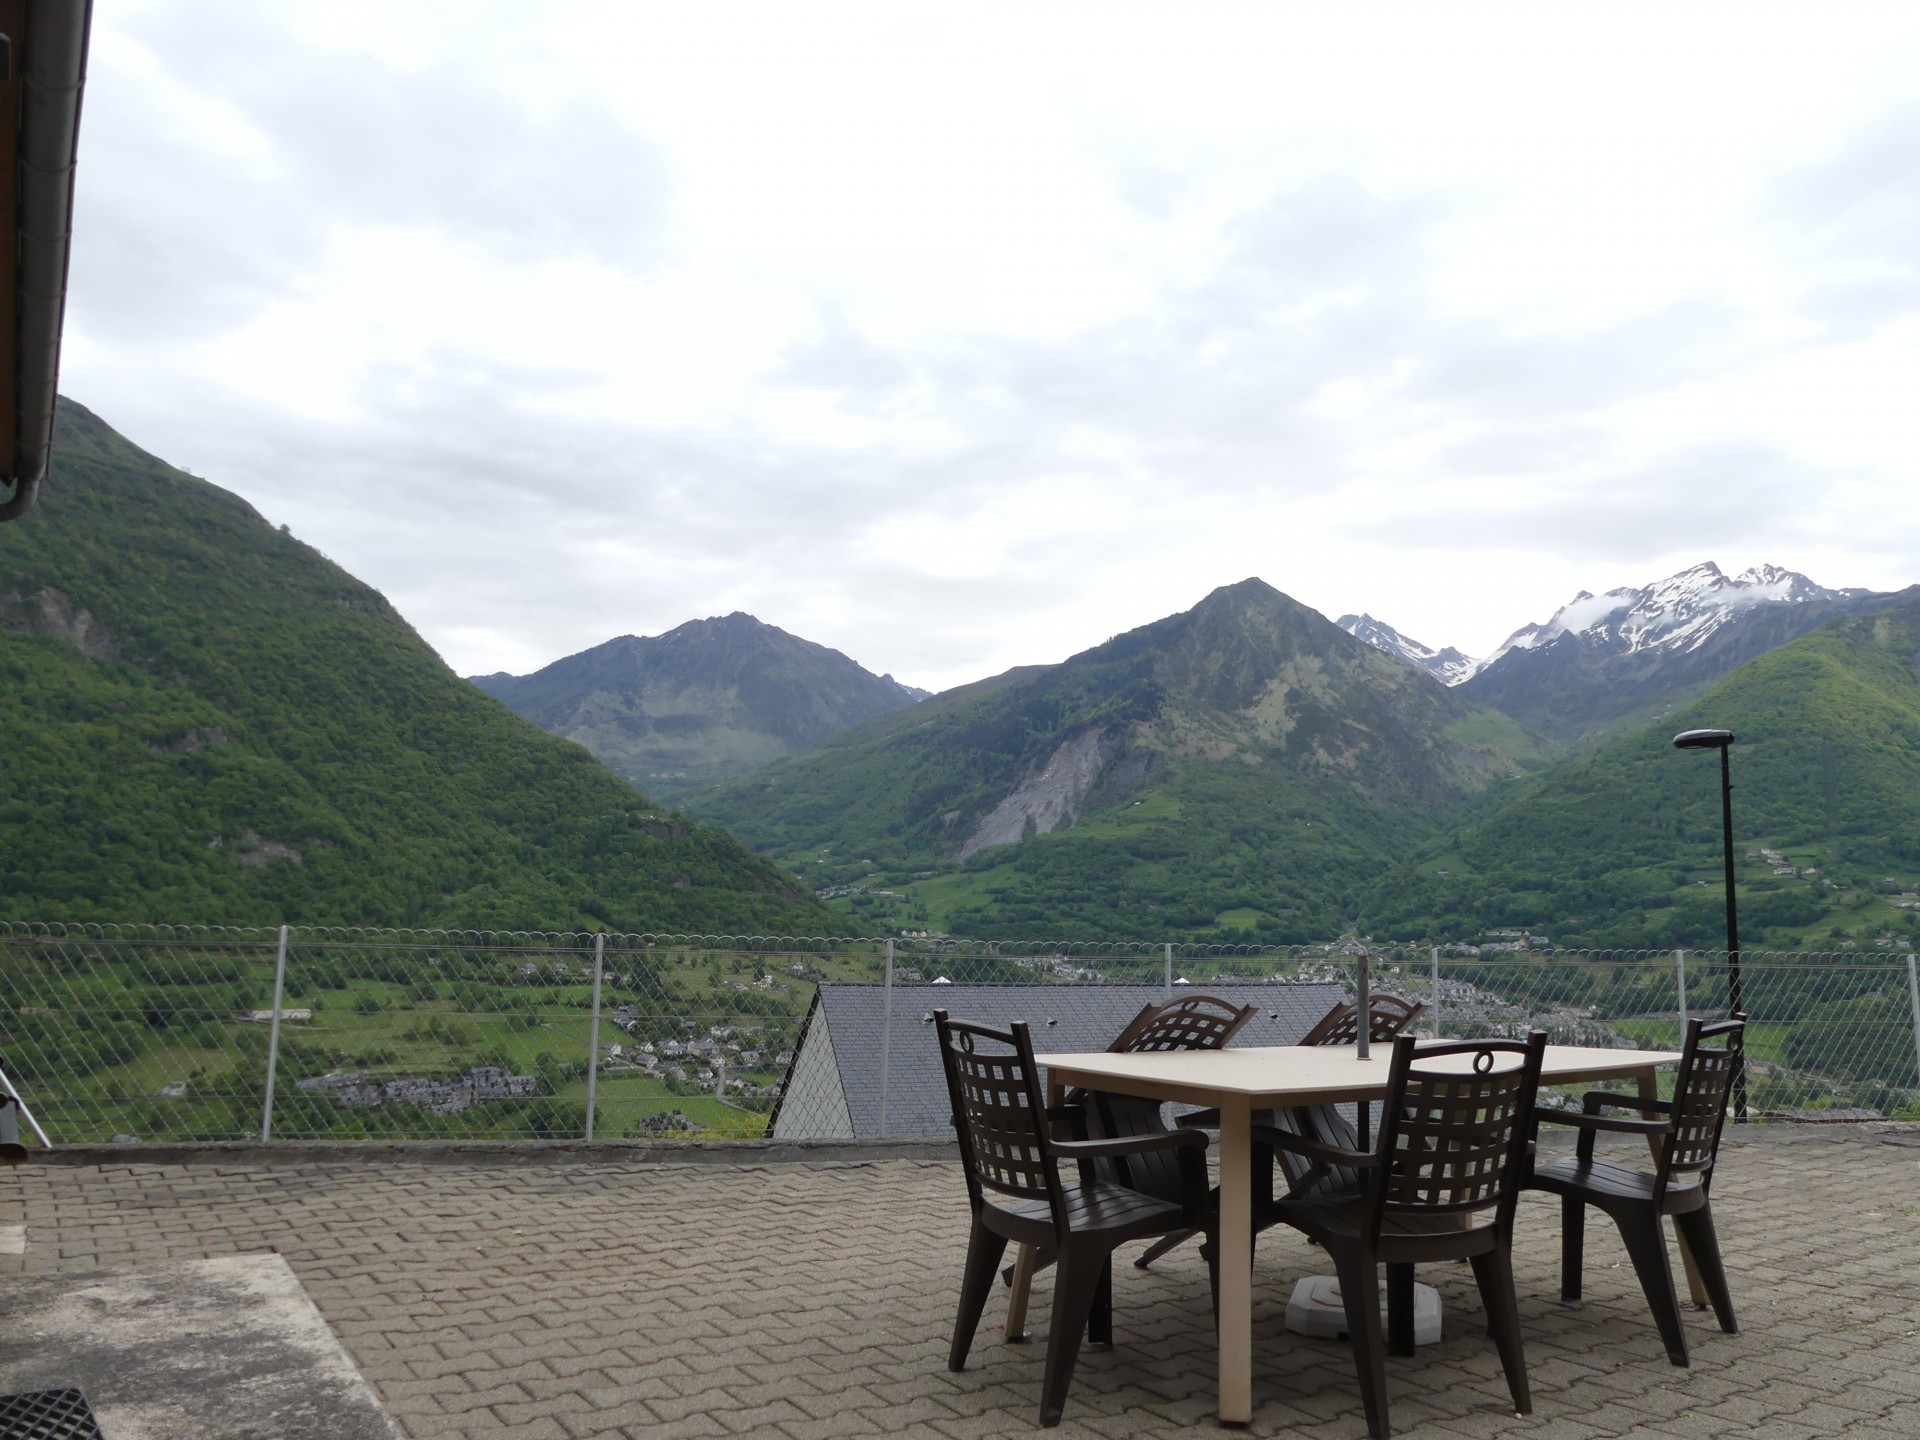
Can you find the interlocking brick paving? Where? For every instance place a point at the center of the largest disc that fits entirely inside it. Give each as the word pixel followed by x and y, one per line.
pixel 489 1296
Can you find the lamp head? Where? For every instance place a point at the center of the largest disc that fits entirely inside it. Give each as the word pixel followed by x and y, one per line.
pixel 1703 739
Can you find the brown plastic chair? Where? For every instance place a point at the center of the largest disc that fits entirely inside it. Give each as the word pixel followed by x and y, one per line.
pixel 1192 1022
pixel 1011 1159
pixel 1453 1146
pixel 1388 1018
pixel 1686 1141
pixel 1390 1015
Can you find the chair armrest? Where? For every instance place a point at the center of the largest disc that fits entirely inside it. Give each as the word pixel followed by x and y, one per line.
pixel 1313 1149
pixel 1602 1122
pixel 1072 1117
pixel 1596 1100
pixel 1199 1119
pixel 1589 1123
pixel 1131 1145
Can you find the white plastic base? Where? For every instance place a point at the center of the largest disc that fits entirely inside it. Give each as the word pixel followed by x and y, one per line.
pixel 1316 1308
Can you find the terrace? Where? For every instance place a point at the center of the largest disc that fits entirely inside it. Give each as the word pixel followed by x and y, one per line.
pixel 734 1290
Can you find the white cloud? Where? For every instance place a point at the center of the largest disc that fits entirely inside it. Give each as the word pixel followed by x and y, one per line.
pixel 962 338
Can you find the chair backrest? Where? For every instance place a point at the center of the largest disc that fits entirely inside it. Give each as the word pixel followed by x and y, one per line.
pixel 1700 1100
pixel 1388 1016
pixel 1193 1022
pixel 999 1113
pixel 1455 1136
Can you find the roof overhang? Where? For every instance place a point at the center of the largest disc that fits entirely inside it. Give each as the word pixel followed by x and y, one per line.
pixel 44 72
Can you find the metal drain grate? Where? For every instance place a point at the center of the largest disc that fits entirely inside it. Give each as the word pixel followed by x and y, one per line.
pixel 47 1415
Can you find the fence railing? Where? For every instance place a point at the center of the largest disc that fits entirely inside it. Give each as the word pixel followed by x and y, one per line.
pixel 204 1033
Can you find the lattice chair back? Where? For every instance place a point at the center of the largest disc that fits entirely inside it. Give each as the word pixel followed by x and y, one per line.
pixel 1341 1025
pixel 1700 1100
pixel 999 1113
pixel 1455 1134
pixel 1193 1022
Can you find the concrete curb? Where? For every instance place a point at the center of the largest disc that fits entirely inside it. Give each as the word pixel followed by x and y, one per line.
pixel 724 1152
pixel 496 1152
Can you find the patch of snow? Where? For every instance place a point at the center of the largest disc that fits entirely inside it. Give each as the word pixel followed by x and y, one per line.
pixel 1679 613
pixel 1585 612
pixel 1448 666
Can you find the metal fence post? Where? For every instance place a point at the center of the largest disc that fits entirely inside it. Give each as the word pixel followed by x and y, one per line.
pixel 1913 998
pixel 1364 1036
pixel 1166 979
pixel 1680 978
pixel 886 1040
pixel 1433 987
pixel 11 1096
pixel 593 1028
pixel 273 1037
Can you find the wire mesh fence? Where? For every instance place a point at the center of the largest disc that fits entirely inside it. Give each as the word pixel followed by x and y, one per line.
pixel 158 1033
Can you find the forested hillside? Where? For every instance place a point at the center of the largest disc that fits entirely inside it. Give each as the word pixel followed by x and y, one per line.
pixel 1621 846
pixel 1243 768
pixel 207 720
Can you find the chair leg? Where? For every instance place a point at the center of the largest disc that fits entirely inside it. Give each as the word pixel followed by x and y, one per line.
pixel 1041 1258
pixel 1493 1272
pixel 1360 1291
pixel 1100 1318
pixel 1210 1252
pixel 1573 1239
pixel 1164 1244
pixel 1076 1285
pixel 984 1249
pixel 1400 1310
pixel 1019 1277
pixel 1697 1227
pixel 1647 1247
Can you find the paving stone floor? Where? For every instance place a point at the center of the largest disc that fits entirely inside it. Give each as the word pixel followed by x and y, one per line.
pixel 624 1298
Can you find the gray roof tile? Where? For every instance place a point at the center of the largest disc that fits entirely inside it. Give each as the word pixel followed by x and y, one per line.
pixel 1062 1017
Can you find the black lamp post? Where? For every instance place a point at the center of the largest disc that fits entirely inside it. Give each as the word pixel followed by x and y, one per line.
pixel 1722 740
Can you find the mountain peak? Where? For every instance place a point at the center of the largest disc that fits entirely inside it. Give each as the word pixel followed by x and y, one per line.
pixel 1696 623
pixel 1253 592
pixel 1680 611
pixel 706 700
pixel 1448 666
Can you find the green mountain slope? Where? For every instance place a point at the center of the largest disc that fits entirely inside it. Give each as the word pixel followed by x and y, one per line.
pixel 207 720
pixel 1621 846
pixel 1245 765
pixel 704 702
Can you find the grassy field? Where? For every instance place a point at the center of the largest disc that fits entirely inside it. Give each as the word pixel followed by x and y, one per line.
pixel 1764 1042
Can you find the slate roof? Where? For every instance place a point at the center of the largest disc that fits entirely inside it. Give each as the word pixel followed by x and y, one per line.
pixel 1063 1017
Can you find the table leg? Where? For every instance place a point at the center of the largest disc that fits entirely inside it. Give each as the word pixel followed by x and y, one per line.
pixel 1236 1261
pixel 1650 1089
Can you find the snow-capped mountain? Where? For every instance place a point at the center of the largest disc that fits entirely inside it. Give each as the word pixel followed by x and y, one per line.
pixel 1679 613
pixel 1448 666
pixel 1603 656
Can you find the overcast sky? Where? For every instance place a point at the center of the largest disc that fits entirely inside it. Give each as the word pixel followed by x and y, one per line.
pixel 964 336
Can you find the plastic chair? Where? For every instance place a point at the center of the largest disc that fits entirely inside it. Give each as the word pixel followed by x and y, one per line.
pixel 1453 1146
pixel 1011 1158
pixel 1686 1143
